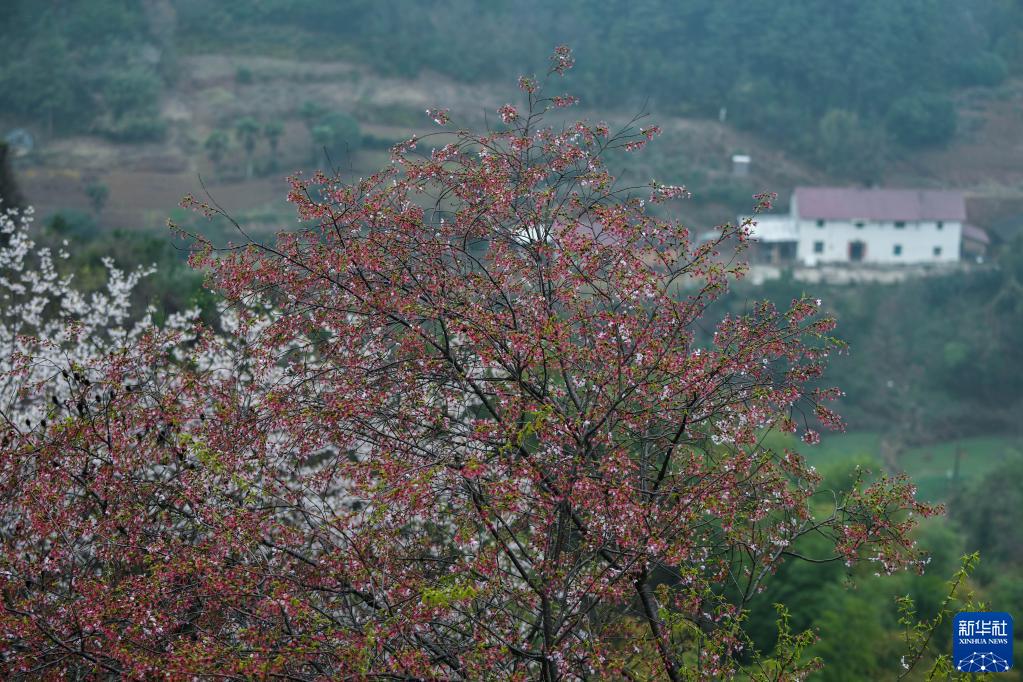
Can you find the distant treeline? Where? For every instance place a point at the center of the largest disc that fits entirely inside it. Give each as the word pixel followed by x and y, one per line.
pixel 838 78
pixel 84 65
pixel 842 79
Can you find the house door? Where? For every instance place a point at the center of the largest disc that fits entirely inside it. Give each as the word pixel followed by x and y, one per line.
pixel 857 251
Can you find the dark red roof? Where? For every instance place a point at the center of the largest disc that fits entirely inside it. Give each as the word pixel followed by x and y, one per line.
pixel 976 234
pixel 838 203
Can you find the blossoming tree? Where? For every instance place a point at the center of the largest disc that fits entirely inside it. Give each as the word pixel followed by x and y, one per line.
pixel 47 324
pixel 478 435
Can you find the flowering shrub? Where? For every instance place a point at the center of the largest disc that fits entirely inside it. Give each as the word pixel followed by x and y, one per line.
pixel 471 435
pixel 47 325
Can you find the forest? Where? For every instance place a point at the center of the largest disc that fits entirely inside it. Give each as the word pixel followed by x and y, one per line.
pixel 810 75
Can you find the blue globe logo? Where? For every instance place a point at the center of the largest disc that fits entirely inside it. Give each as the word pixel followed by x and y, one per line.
pixel 983 663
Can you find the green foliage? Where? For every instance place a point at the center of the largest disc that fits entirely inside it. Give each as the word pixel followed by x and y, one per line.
pixel 935 358
pixel 986 69
pixel 922 120
pixel 63 65
pixel 990 512
pixel 10 194
pixel 243 75
pixel 337 133
pixel 851 607
pixel 247 130
pixel 131 99
pixel 788 660
pixel 322 136
pixel 133 90
pixel 311 112
pixel 346 130
pixel 920 635
pixel 216 146
pixel 447 593
pixel 98 194
pixel 1006 594
pixel 852 624
pixel 136 127
pixel 46 82
pixel 333 132
pixel 801 586
pixel 100 20
pixel 74 225
pixel 869 626
pixel 847 147
pixel 273 130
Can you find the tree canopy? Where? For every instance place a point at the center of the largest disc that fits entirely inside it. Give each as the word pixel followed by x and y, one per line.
pixel 460 425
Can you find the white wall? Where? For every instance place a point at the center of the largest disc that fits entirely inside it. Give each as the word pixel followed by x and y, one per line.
pixel 774 228
pixel 917 239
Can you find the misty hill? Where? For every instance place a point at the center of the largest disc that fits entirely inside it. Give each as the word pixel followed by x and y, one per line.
pixel 915 92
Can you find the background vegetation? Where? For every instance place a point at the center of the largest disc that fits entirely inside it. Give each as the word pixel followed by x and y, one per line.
pixel 821 78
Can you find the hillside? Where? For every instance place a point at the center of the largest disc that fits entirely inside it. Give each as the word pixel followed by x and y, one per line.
pixel 144 98
pixel 146 180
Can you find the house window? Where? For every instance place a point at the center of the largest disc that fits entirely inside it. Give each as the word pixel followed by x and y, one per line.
pixel 818 247
pixel 897 250
pixel 941 225
pixel 937 251
pixel 899 224
pixel 859 224
pixel 820 223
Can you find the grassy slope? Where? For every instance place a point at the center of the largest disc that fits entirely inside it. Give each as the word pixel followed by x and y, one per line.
pixel 932 467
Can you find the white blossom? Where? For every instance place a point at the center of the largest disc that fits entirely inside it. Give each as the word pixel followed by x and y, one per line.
pixel 43 317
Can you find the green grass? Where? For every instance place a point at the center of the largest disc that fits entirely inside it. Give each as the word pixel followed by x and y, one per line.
pixel 932 467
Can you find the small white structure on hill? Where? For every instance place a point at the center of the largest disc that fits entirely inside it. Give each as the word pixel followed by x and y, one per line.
pixel 870 226
pixel 740 165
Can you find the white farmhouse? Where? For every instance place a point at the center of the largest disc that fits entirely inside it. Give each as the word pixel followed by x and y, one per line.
pixel 875 226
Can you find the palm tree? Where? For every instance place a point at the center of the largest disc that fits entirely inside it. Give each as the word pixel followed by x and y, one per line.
pixel 216 146
pixel 273 131
pixel 247 130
